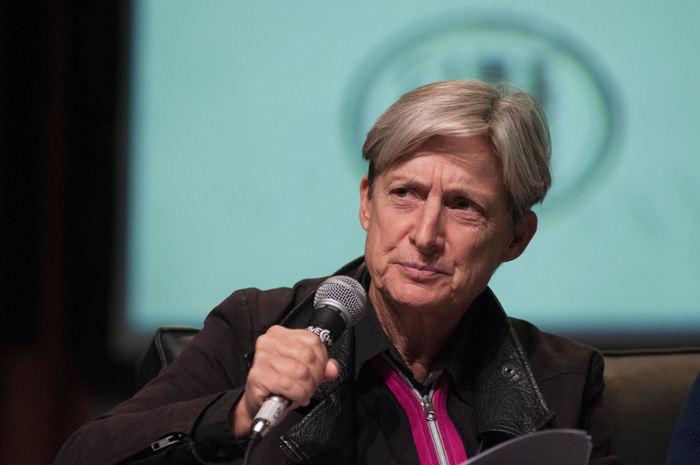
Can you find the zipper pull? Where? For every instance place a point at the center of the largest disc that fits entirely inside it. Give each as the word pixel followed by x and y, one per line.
pixel 166 442
pixel 427 403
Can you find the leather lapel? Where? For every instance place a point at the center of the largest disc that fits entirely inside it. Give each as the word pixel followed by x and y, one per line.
pixel 507 397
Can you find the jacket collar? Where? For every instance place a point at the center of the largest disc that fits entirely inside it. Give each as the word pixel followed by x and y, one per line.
pixel 508 401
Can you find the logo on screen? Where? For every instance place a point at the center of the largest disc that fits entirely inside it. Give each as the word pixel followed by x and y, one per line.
pixel 572 86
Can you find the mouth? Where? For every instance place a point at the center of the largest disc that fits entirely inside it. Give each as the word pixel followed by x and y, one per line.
pixel 421 270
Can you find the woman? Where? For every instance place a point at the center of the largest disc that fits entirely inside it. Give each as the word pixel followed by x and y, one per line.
pixel 435 372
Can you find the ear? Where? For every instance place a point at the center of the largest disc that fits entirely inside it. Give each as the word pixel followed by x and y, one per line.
pixel 523 231
pixel 365 203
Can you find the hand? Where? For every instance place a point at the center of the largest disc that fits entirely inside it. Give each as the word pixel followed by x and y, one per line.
pixel 289 362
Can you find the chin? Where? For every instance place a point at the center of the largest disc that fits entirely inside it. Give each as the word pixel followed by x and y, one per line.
pixel 409 297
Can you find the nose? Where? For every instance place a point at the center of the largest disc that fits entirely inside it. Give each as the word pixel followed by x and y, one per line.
pixel 428 233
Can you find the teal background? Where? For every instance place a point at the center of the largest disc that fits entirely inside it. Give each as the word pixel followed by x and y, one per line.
pixel 243 153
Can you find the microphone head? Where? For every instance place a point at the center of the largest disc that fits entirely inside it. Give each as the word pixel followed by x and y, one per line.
pixel 345 294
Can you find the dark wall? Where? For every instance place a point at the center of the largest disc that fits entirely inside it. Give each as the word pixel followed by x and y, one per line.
pixel 62 75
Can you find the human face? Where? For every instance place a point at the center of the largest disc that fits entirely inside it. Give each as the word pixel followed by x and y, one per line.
pixel 438 225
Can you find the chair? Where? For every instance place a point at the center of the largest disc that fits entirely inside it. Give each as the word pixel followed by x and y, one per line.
pixel 166 345
pixel 644 393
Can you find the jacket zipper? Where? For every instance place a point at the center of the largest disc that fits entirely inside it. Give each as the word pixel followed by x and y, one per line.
pixel 155 447
pixel 166 442
pixel 427 402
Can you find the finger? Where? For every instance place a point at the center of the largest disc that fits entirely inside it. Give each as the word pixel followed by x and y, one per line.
pixel 296 382
pixel 296 344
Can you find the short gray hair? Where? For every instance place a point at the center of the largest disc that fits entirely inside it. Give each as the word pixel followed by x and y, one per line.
pixel 512 120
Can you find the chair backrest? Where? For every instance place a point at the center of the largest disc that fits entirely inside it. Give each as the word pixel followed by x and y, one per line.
pixel 644 393
pixel 166 345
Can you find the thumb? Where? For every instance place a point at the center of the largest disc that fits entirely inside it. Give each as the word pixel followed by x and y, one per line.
pixel 332 370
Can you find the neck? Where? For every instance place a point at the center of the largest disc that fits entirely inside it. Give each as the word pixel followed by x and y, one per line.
pixel 418 334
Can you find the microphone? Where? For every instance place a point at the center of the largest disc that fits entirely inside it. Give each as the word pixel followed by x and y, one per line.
pixel 339 303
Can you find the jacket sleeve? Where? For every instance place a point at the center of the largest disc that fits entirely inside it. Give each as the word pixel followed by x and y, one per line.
pixel 571 378
pixel 594 416
pixel 181 416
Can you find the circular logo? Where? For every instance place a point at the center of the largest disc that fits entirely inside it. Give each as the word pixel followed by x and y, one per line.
pixel 575 92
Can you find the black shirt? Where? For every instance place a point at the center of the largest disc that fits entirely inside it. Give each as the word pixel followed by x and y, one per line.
pixel 384 431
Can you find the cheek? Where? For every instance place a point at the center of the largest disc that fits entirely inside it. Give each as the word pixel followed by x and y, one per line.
pixel 373 247
pixel 384 232
pixel 383 242
pixel 479 252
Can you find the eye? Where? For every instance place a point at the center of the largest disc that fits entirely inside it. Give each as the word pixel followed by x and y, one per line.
pixel 462 204
pixel 400 192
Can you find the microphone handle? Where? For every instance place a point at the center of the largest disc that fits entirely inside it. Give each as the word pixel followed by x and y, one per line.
pixel 268 415
pixel 328 323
